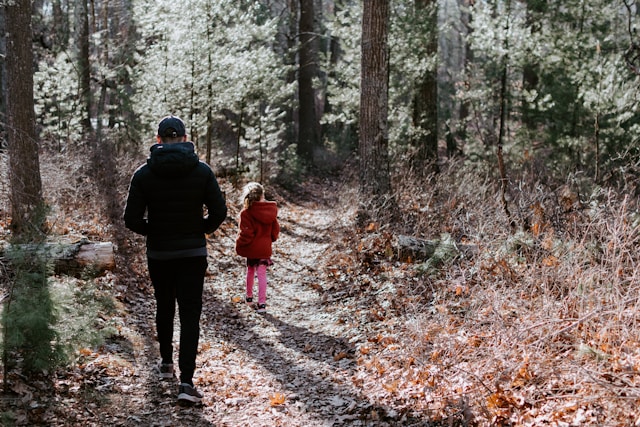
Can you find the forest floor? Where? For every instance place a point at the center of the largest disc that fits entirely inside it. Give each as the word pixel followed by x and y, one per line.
pixel 296 365
pixel 352 336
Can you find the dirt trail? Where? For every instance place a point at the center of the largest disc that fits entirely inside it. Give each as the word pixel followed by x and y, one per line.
pixel 295 353
pixel 306 362
pixel 293 366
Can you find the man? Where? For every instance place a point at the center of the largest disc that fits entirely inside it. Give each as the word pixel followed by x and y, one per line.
pixel 166 201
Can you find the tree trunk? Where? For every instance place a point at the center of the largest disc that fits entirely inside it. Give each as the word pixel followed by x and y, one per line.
pixel 308 131
pixel 504 182
pixel 209 135
pixel 61 27
pixel 27 203
pixel 3 73
pixel 376 199
pixel 103 99
pixel 530 77
pixel 425 99
pixel 292 121
pixel 461 129
pixel 83 64
pixel 236 176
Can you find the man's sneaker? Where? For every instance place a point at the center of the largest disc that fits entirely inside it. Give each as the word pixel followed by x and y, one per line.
pixel 188 393
pixel 248 300
pixel 262 308
pixel 165 370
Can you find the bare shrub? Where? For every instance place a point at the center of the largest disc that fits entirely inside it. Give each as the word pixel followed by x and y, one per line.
pixel 73 194
pixel 541 312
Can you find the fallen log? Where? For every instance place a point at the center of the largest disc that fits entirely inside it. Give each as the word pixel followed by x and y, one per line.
pixel 410 249
pixel 70 257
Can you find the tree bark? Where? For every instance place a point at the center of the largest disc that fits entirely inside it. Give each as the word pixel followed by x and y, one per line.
pixel 504 182
pixel 209 135
pixel 3 73
pixel 530 78
pixel 27 203
pixel 292 119
pixel 308 137
pixel 82 61
pixel 425 99
pixel 461 131
pixel 68 257
pixel 375 182
pixel 61 27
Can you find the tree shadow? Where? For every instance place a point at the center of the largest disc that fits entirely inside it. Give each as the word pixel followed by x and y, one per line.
pixel 325 348
pixel 308 234
pixel 314 390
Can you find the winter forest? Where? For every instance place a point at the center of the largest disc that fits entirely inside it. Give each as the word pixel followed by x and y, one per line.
pixel 457 185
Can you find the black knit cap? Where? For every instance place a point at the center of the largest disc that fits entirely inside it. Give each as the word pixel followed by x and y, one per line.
pixel 171 127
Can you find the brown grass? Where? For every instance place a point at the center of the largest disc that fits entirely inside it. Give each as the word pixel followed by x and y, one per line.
pixel 539 327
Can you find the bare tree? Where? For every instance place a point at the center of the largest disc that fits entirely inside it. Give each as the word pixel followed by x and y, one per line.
pixel 27 203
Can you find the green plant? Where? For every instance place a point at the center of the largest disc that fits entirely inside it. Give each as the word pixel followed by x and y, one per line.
pixel 291 167
pixel 45 321
pixel 7 419
pixel 29 315
pixel 81 306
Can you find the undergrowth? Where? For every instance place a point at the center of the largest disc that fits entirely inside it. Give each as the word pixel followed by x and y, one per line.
pixel 539 311
pixel 47 318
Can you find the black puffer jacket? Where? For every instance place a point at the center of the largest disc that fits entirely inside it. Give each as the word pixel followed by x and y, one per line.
pixel 172 188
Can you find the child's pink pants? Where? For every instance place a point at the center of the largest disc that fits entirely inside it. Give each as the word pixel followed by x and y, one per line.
pixel 261 271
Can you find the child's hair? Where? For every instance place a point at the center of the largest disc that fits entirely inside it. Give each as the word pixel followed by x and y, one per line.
pixel 252 192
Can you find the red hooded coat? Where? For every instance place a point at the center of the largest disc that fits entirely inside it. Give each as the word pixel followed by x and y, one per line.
pixel 258 229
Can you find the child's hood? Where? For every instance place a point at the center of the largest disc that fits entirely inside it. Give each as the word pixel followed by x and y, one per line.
pixel 265 212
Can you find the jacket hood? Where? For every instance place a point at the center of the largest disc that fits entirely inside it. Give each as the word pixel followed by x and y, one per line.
pixel 173 160
pixel 265 212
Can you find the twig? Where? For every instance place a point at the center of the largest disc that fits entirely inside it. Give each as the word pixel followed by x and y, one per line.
pixel 610 386
pixel 581 320
pixel 546 322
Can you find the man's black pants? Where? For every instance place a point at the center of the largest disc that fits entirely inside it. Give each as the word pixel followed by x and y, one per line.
pixel 180 280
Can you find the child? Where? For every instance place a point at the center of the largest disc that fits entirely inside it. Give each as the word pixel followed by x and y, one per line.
pixel 258 229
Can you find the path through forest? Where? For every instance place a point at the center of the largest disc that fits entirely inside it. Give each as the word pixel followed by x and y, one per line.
pixel 294 366
pixel 352 337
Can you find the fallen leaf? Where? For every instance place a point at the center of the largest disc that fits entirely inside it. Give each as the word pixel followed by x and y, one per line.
pixel 340 356
pixel 277 399
pixel 372 226
pixel 392 386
